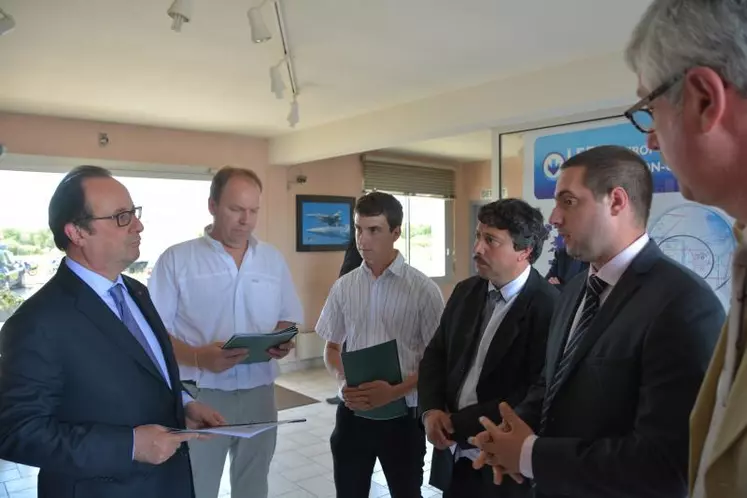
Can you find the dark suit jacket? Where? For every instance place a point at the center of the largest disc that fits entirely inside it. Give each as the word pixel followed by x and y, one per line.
pixel 352 259
pixel 515 360
pixel 618 426
pixel 74 383
pixel 564 268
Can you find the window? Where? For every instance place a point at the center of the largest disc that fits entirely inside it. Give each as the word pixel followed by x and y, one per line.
pixel 28 256
pixel 425 192
pixel 424 242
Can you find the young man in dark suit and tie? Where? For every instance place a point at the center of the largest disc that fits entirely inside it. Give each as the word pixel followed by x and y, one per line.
pixel 489 347
pixel 629 345
pixel 89 386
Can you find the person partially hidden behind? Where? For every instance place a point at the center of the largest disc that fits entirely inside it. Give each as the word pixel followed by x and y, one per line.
pixel 89 386
pixel 628 348
pixel 564 267
pixel 490 346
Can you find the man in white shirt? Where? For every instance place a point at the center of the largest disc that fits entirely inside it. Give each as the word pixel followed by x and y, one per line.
pixel 208 289
pixel 629 344
pixel 489 347
pixel 384 299
pixel 690 57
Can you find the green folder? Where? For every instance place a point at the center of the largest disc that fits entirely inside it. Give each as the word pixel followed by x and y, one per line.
pixel 380 362
pixel 258 344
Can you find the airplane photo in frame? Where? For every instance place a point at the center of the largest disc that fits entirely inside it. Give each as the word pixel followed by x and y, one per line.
pixel 323 222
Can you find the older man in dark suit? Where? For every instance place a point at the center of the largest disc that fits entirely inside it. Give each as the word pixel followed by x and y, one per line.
pixel 89 387
pixel 629 345
pixel 489 346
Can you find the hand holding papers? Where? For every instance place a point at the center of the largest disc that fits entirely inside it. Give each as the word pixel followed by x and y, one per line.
pixel 244 431
pixel 372 366
pixel 259 344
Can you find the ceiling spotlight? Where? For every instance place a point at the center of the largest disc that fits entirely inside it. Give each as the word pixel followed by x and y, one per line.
pixel 7 23
pixel 277 85
pixel 293 114
pixel 181 12
pixel 257 25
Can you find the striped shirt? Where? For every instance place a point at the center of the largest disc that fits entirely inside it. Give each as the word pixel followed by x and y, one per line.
pixel 364 311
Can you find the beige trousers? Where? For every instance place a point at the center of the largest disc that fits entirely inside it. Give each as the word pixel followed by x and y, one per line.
pixel 250 458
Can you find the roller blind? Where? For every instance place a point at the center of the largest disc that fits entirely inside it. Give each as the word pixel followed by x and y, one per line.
pixel 407 179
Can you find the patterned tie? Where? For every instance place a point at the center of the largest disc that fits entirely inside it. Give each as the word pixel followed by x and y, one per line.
pixel 117 293
pixel 594 288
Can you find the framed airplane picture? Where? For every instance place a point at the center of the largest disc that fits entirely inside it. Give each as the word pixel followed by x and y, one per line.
pixel 323 222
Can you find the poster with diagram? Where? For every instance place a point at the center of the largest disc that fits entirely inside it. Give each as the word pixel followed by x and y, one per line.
pixel 699 237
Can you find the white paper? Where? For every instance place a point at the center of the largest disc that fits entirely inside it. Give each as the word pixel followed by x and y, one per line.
pixel 243 431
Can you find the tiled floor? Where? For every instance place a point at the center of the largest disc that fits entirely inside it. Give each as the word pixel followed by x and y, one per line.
pixel 301 468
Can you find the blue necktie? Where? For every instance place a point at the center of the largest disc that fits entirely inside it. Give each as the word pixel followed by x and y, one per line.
pixel 117 293
pixel 594 288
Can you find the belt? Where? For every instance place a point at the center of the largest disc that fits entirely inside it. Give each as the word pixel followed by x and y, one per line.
pixel 189 382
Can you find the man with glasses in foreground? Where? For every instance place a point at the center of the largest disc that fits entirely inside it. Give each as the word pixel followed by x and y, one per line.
pixel 89 386
pixel 691 61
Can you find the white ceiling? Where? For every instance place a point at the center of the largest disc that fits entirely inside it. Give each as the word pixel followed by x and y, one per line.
pixel 475 146
pixel 118 60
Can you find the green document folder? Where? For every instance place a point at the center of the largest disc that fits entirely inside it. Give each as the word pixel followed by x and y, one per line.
pixel 258 344
pixel 380 362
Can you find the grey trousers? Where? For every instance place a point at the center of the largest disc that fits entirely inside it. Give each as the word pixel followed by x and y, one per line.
pixel 250 458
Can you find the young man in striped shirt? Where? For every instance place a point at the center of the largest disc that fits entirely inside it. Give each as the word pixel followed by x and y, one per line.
pixel 383 299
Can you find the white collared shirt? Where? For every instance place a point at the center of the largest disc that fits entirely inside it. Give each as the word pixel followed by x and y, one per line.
pixel 363 311
pixel 203 297
pixel 509 292
pixel 468 391
pixel 610 273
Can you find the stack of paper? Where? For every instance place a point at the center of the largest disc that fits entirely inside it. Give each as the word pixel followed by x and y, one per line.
pixel 245 431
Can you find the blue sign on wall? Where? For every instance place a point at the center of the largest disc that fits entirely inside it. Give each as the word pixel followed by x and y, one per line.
pixel 551 151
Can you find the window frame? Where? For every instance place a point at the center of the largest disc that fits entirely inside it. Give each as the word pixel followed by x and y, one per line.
pixel 449 260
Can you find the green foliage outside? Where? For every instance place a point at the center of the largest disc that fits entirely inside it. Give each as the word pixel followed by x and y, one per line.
pixel 9 301
pixel 27 242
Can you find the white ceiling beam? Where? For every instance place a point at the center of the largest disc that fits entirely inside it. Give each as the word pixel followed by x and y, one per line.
pixel 583 89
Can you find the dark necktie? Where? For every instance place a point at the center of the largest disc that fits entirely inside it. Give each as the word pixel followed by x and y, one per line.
pixel 117 293
pixel 594 288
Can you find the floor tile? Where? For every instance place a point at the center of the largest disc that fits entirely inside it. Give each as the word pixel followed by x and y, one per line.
pixel 302 466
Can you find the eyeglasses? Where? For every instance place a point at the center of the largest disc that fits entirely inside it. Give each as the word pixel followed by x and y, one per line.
pixel 123 218
pixel 640 114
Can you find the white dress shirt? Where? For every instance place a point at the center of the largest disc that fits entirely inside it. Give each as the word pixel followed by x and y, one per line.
pixel 468 391
pixel 610 273
pixel 363 311
pixel 203 297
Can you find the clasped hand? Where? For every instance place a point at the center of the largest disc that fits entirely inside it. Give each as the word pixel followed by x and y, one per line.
pixel 369 395
pixel 500 445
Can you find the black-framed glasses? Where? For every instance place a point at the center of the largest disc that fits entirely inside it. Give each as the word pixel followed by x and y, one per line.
pixel 640 114
pixel 123 218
